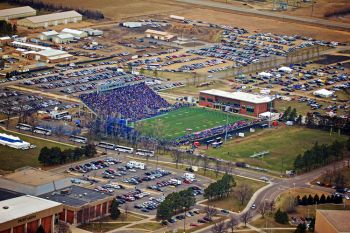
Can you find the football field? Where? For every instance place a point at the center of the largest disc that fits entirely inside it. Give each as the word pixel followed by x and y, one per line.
pixel 185 120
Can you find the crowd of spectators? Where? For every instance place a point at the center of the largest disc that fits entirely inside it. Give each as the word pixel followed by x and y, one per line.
pixel 216 131
pixel 133 102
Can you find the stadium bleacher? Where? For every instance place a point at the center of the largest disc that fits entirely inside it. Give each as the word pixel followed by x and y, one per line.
pixel 134 102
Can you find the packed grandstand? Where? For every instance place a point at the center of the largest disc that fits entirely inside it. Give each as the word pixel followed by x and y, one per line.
pixel 141 101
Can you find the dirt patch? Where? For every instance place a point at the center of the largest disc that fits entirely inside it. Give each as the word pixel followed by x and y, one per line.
pixel 119 9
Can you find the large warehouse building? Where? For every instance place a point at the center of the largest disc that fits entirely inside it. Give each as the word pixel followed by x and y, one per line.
pixel 239 102
pixel 44 21
pixel 17 12
pixel 23 213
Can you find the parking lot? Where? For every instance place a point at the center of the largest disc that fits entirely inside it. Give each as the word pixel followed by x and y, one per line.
pixel 15 102
pixel 139 185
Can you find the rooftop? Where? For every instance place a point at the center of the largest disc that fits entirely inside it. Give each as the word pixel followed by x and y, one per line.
pixel 22 206
pixel 338 218
pixel 32 176
pixel 51 52
pixel 242 96
pixel 65 36
pixel 16 11
pixel 6 194
pixel 156 32
pixel 72 31
pixel 75 196
pixel 50 33
pixel 54 16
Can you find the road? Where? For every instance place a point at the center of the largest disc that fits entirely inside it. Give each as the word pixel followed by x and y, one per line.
pixel 279 16
pixel 274 189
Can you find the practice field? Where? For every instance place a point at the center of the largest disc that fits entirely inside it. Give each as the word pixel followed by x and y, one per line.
pixel 177 123
pixel 11 159
pixel 283 143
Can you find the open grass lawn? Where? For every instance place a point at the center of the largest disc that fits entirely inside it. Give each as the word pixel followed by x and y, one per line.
pixel 232 203
pixel 151 226
pixel 177 123
pixel 283 143
pixel 268 221
pixel 11 159
pixel 102 227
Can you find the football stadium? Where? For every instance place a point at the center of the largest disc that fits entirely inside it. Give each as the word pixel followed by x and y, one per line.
pixel 153 116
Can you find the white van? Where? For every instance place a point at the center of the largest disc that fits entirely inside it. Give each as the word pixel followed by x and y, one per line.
pixel 189 176
pixel 135 164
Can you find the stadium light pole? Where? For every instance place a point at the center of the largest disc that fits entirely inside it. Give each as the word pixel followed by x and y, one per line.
pixel 226 127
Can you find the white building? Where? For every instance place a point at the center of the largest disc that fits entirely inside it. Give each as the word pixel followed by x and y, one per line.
pixel 132 24
pixel 93 32
pixel 12 141
pixel 76 33
pixel 63 38
pixel 48 35
pixel 53 56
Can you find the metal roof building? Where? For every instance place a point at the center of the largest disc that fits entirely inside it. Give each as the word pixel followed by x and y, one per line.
pixel 26 213
pixel 238 102
pixel 44 21
pixel 17 12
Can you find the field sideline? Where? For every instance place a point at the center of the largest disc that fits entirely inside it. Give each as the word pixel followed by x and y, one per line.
pixel 283 143
pixel 182 121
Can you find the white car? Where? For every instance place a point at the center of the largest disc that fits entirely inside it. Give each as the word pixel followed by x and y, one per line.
pixel 253 207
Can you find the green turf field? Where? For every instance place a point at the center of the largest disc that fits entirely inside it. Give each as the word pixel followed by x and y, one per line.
pixel 283 143
pixel 174 124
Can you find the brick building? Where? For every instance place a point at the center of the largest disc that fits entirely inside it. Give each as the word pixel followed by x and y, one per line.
pixel 24 213
pixel 238 102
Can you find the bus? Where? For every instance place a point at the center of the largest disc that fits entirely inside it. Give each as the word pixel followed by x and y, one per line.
pixel 145 152
pixel 78 139
pixel 124 149
pixel 24 127
pixel 59 115
pixel 106 145
pixel 43 131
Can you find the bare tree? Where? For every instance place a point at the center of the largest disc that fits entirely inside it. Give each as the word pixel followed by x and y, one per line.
pixel 217 167
pixel 218 227
pixel 243 192
pixel 205 164
pixel 263 208
pixel 271 205
pixel 232 222
pixel 246 217
pixel 210 211
pixel 176 157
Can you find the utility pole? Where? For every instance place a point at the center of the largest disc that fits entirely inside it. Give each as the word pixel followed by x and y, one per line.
pixel 312 7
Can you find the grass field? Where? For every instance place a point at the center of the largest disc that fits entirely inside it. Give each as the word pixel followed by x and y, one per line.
pixel 176 123
pixel 231 202
pixel 283 143
pixel 12 159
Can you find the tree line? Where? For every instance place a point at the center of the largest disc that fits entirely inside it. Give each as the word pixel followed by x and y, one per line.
pixel 321 155
pixel 54 155
pixel 174 203
pixel 329 123
pixel 312 200
pixel 220 189
pixel 37 4
pixel 291 115
pixel 7 28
